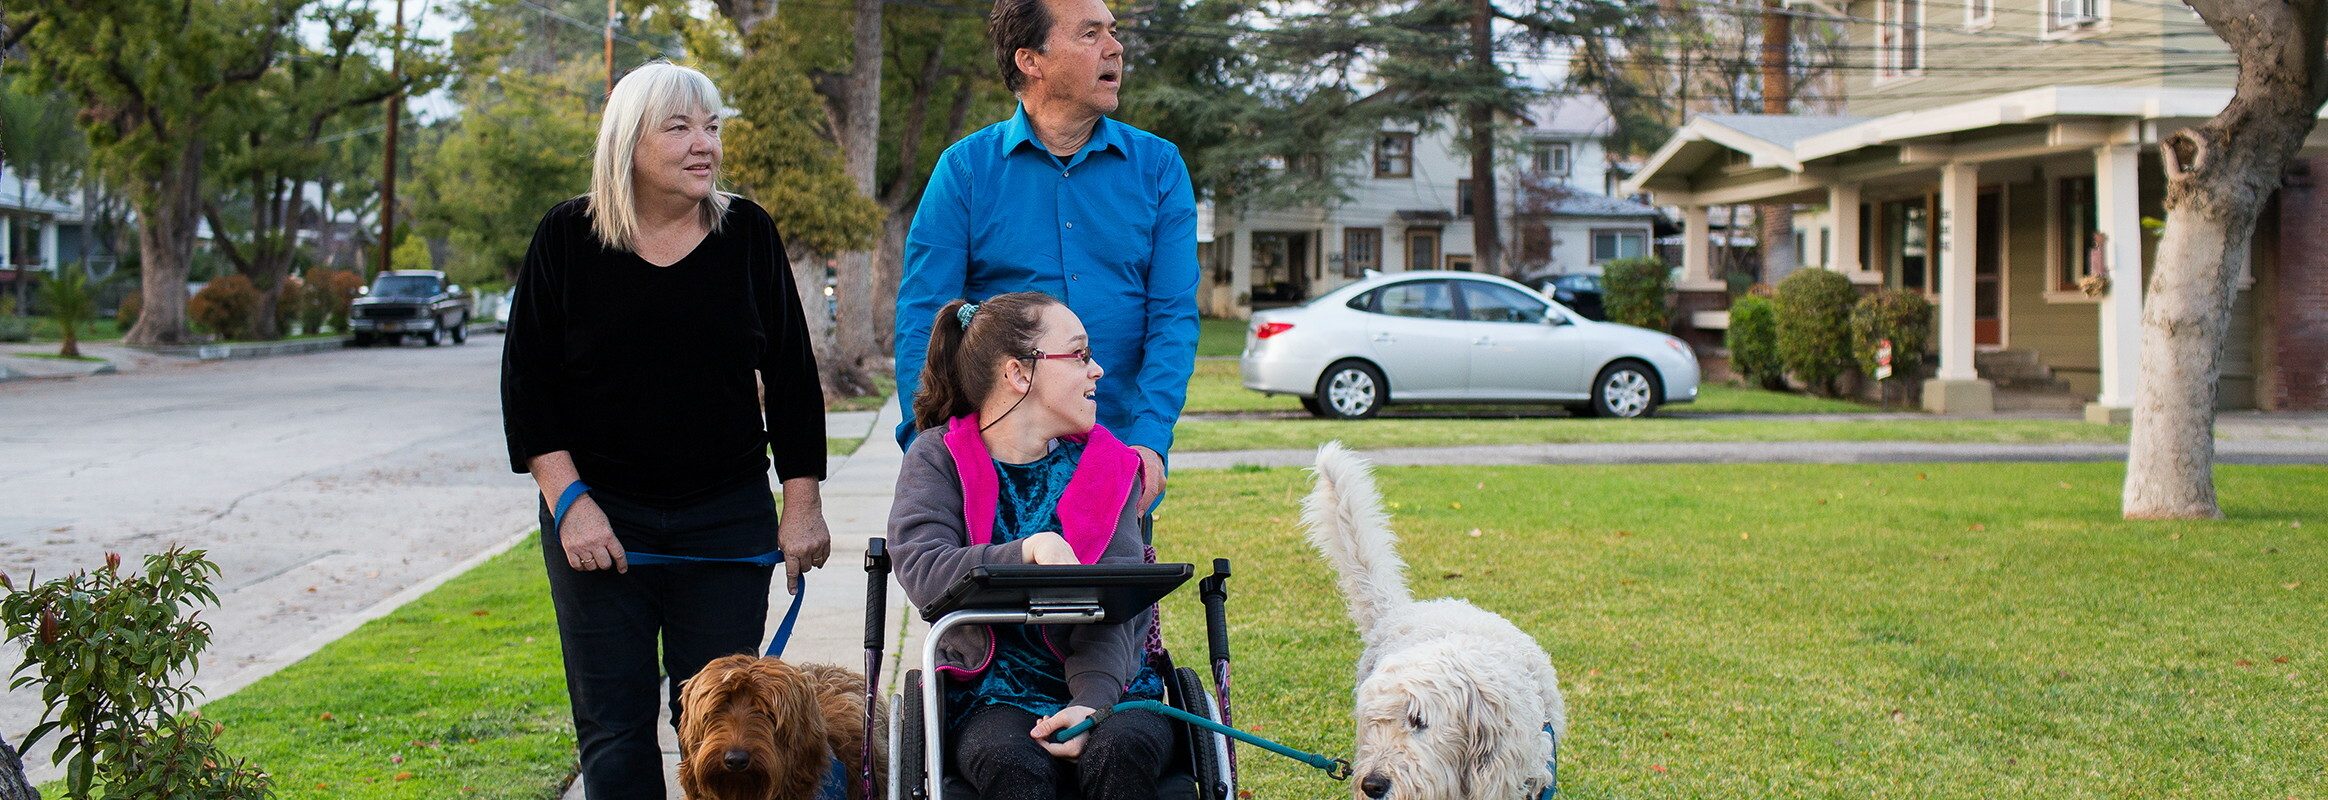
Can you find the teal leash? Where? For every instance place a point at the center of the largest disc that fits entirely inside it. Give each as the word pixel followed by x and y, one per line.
pixel 1335 768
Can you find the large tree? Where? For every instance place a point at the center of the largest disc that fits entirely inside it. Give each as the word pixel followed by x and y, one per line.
pixel 266 161
pixel 2218 177
pixel 153 79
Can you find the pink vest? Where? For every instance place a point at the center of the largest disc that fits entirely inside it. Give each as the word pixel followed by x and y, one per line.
pixel 1088 511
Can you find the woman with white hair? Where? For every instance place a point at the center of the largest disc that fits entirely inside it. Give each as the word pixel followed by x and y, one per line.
pixel 649 315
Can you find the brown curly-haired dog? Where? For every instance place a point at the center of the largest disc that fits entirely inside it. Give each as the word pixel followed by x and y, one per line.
pixel 753 728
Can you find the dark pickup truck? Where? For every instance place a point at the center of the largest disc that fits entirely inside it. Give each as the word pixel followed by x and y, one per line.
pixel 410 301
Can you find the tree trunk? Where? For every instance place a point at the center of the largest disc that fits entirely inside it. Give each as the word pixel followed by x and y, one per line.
pixel 13 786
pixel 165 243
pixel 856 340
pixel 1486 233
pixel 2219 176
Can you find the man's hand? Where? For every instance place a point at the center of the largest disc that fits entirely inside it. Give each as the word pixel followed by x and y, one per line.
pixel 1151 476
pixel 588 539
pixel 1048 547
pixel 801 531
pixel 1066 718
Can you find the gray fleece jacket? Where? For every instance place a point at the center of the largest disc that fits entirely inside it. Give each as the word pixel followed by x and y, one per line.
pixel 929 545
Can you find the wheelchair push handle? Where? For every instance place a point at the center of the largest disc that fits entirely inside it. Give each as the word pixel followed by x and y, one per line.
pixel 876 592
pixel 1214 591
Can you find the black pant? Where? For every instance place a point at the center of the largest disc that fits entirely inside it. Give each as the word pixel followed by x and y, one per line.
pixel 608 623
pixel 1122 759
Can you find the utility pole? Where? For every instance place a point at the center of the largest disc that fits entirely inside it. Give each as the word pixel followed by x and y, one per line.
pixel 609 47
pixel 1486 237
pixel 1778 251
pixel 388 161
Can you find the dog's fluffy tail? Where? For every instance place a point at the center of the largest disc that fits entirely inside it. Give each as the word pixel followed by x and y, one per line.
pixel 1347 526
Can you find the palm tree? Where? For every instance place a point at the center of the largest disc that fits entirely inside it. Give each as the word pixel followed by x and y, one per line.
pixel 67 297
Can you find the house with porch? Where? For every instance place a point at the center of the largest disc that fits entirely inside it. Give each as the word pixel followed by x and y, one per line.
pixel 1409 208
pixel 2001 156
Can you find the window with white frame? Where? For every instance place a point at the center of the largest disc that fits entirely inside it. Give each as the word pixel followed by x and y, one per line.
pixel 1610 245
pixel 1394 155
pixel 1979 13
pixel 1550 158
pixel 2068 17
pixel 1899 39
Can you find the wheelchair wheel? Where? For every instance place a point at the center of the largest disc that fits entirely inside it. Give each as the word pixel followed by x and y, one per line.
pixel 1207 760
pixel 908 750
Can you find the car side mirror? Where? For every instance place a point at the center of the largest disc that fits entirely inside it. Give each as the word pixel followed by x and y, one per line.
pixel 453 289
pixel 1556 319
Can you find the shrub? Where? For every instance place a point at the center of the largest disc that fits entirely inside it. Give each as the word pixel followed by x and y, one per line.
pixel 339 292
pixel 1814 327
pixel 108 650
pixel 226 307
pixel 125 317
pixel 1900 315
pixel 1753 342
pixel 70 305
pixel 288 300
pixel 1634 291
pixel 315 299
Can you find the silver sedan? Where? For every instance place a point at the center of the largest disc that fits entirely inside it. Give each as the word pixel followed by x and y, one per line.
pixel 1459 337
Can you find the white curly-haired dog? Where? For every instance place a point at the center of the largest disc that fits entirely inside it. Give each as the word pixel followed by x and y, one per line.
pixel 1453 702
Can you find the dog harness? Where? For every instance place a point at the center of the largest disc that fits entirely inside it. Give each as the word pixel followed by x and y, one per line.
pixel 1552 788
pixel 637 558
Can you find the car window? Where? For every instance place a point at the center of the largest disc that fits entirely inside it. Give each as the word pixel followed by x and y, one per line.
pixel 1489 302
pixel 1419 299
pixel 1363 302
pixel 404 286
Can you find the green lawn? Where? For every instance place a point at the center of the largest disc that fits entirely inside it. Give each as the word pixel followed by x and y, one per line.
pixel 458 694
pixel 842 445
pixel 45 329
pixel 1217 387
pixel 1894 631
pixel 1278 434
pixel 883 387
pixel 1220 337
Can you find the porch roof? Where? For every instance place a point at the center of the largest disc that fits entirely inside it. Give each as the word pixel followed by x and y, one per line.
pixel 1792 153
pixel 16 194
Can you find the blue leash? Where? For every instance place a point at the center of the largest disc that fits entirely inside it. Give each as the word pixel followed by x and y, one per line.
pixel 638 558
pixel 1335 768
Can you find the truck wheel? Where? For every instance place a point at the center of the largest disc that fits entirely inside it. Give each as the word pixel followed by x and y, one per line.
pixel 432 338
pixel 461 331
pixel 361 340
pixel 395 340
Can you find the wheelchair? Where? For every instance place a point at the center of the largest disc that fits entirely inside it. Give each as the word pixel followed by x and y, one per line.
pixel 1203 762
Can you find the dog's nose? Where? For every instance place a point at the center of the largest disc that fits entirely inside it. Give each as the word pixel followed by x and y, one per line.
pixel 1375 786
pixel 737 760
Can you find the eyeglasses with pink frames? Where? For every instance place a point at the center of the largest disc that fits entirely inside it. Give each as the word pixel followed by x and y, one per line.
pixel 1081 356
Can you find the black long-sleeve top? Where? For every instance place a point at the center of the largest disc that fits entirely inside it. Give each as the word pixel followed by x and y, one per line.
pixel 646 374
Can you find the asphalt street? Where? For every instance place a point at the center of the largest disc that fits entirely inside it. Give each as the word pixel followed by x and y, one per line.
pixel 321 484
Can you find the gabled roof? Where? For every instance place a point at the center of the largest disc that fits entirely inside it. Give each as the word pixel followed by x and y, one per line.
pixel 18 195
pixel 1769 140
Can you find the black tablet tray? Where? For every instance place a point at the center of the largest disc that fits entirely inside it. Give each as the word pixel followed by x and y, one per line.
pixel 1121 590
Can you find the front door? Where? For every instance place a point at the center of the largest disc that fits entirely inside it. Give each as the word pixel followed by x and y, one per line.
pixel 1988 281
pixel 1422 248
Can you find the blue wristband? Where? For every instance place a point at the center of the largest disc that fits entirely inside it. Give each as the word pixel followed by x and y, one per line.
pixel 565 501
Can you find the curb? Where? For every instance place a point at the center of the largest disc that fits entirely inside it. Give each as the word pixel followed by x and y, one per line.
pixel 235 350
pixel 320 638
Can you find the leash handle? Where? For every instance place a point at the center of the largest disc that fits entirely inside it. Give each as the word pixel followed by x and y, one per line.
pixel 1335 768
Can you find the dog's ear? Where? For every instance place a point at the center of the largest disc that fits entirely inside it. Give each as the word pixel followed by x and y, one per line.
pixel 1486 731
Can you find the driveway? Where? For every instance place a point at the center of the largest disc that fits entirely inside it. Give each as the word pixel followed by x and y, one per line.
pixel 322 485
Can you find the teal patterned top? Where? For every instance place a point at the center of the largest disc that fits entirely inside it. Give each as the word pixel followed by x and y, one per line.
pixel 1026 671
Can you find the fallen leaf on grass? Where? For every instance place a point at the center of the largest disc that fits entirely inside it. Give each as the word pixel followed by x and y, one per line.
pixel 1977 527
pixel 480 612
pixel 1475 533
pixel 2064 484
pixel 2280 660
pixel 1920 476
pixel 1657 768
pixel 396 759
pixel 1457 505
pixel 1450 576
pixel 1741 536
pixel 326 716
pixel 1899 716
pixel 2243 663
pixel 404 776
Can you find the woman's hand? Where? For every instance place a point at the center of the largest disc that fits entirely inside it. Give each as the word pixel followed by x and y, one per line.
pixel 588 539
pixel 1048 548
pixel 1066 718
pixel 801 532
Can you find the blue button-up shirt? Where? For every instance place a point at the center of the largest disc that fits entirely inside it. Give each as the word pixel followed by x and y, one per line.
pixel 1111 231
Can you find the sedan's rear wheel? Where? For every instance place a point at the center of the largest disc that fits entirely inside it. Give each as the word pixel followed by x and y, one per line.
pixel 1352 390
pixel 1624 389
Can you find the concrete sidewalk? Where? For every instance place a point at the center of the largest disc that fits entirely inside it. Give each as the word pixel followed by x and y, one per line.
pixel 832 620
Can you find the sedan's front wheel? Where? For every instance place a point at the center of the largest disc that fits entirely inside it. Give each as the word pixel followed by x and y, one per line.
pixel 1352 390
pixel 1624 389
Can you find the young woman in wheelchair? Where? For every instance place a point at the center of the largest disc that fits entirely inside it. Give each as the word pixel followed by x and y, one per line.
pixel 1011 468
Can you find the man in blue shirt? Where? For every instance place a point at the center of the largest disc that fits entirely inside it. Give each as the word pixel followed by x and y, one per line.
pixel 1062 200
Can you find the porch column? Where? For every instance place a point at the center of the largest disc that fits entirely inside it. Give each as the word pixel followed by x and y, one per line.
pixel 1239 241
pixel 48 246
pixel 1843 203
pixel 1958 389
pixel 2118 215
pixel 1697 242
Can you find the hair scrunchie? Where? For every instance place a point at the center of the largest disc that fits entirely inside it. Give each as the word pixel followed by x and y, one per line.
pixel 964 313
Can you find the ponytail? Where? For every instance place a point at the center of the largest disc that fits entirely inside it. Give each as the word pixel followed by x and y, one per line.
pixel 967 350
